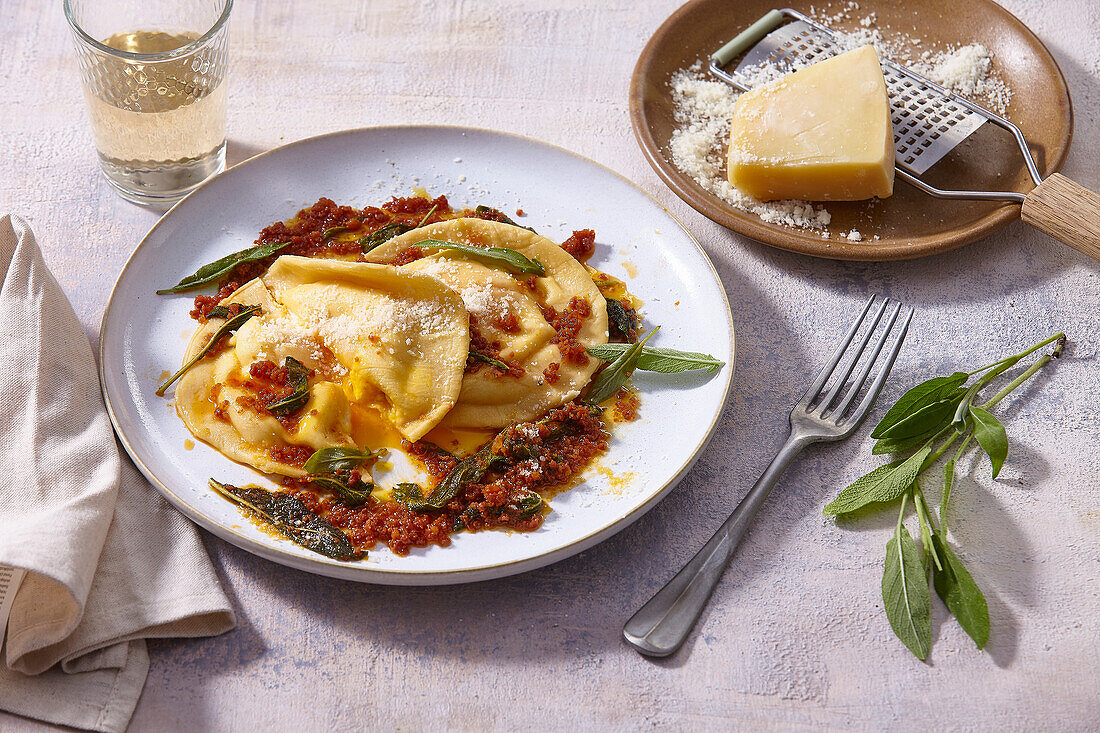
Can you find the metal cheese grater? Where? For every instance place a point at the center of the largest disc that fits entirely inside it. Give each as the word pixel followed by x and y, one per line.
pixel 929 122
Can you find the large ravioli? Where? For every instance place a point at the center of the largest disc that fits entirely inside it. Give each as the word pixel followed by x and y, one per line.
pixel 508 309
pixel 377 338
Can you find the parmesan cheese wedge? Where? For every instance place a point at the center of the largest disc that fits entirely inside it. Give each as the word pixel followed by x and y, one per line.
pixel 821 134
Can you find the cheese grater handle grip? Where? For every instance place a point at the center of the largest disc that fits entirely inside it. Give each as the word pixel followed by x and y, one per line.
pixel 1067 211
pixel 747 38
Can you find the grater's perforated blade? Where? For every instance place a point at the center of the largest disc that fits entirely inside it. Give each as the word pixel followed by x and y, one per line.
pixel 928 124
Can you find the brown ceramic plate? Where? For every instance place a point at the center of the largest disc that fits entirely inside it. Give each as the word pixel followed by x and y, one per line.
pixel 910 223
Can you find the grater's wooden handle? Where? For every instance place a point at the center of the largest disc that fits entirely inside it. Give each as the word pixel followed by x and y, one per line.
pixel 1067 211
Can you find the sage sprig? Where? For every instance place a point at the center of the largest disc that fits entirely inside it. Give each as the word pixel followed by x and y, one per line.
pixel 925 423
pixel 214 270
pixel 230 326
pixel 509 259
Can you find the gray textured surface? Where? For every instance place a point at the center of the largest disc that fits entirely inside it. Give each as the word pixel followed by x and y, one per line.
pixel 795 636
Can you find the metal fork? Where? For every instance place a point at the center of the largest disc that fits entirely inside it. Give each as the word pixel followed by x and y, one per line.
pixel 661 625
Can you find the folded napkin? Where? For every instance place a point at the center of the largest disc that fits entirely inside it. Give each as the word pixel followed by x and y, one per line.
pixel 107 562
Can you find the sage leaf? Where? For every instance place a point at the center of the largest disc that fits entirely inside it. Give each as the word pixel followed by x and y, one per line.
pixel 923 394
pixel 929 418
pixel 961 594
pixel 623 321
pixel 478 356
pixel 508 259
pixel 527 505
pixel 991 436
pixel 353 493
pixel 411 495
pixel 659 359
pixel 901 445
pixel 230 326
pixel 511 446
pixel 333 231
pixel 338 458
pixel 615 374
pixel 383 234
pixel 905 593
pixel 491 214
pixel 948 483
pixel 885 483
pixel 291 518
pixel 211 272
pixel 466 471
pixel 298 375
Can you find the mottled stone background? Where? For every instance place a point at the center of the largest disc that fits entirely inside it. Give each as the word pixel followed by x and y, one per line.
pixel 795 635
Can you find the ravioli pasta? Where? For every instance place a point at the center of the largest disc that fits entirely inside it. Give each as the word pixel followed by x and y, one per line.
pixel 387 346
pixel 379 340
pixel 493 296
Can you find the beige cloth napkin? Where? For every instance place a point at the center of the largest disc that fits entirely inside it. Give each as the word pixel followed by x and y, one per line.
pixel 109 563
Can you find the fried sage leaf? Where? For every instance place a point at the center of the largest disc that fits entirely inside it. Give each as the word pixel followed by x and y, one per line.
pixel 291 518
pixel 622 320
pixel 658 359
pixel 346 485
pixel 960 593
pixel 905 592
pixel 211 272
pixel 490 214
pixel 885 483
pixel 615 374
pixel 383 234
pixel 528 505
pixel 478 356
pixel 230 326
pixel 338 458
pixel 508 259
pixel 925 393
pixel 299 382
pixel 465 471
pixel 332 232
pixel 991 436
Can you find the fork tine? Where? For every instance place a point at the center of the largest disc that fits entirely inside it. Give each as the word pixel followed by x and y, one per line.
pixel 823 375
pixel 853 359
pixel 865 404
pixel 857 382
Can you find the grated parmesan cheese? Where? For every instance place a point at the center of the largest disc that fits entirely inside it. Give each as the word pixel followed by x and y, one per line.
pixel 702 110
pixel 967 71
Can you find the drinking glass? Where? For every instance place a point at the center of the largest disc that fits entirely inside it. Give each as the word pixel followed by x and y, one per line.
pixel 153 73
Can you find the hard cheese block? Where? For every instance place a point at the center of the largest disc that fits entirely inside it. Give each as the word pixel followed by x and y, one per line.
pixel 822 133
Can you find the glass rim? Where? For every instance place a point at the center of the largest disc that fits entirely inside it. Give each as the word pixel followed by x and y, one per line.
pixel 183 50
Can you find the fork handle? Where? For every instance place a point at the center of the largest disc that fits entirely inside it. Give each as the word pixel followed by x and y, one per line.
pixel 661 625
pixel 1067 211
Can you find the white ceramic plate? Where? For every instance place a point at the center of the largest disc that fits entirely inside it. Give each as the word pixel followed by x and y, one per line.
pixel 144 335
